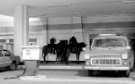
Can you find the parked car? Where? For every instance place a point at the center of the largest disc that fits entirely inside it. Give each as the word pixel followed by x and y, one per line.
pixel 8 60
pixel 109 53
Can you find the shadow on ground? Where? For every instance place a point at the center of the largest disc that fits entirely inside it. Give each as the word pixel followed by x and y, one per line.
pixel 101 74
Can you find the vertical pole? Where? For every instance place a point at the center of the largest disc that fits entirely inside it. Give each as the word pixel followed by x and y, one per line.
pixel 21 20
pixel 21 38
pixel 47 26
pixel 83 27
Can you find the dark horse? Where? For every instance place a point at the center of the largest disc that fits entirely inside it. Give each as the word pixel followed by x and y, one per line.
pixel 75 48
pixel 50 48
pixel 61 50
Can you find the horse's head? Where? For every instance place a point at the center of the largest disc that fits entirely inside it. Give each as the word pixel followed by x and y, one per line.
pixel 82 46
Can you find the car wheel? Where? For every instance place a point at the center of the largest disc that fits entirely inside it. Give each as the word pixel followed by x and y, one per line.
pixel 125 73
pixel 13 66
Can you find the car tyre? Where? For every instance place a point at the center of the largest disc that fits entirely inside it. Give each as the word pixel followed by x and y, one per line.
pixel 125 73
pixel 13 66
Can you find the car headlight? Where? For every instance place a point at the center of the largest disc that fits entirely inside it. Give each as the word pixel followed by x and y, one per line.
pixel 125 56
pixel 86 56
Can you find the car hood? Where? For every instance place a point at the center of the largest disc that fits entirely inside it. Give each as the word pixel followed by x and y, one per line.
pixel 107 51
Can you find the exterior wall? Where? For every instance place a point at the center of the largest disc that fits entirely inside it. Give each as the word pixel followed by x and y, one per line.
pixel 65 27
pixel 108 24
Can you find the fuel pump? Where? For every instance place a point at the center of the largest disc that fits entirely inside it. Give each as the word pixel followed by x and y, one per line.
pixel 31 56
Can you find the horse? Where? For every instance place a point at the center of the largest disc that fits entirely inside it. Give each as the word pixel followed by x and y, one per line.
pixel 61 51
pixel 75 48
pixel 50 48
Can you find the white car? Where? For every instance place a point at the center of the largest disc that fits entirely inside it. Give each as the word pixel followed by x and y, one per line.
pixel 8 60
pixel 109 53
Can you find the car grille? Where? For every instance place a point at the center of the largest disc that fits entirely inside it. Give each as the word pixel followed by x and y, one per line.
pixel 105 61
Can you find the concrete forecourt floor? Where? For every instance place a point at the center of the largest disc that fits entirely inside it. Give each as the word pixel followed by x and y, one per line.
pixel 61 77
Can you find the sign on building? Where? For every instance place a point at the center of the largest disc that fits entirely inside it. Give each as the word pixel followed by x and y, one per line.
pixel 31 53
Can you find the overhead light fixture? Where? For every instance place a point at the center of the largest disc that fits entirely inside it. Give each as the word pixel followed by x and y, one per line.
pixel 33 19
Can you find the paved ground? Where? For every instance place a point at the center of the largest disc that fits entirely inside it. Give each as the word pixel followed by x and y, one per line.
pixel 64 77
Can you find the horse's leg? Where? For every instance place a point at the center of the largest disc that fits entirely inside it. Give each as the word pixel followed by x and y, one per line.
pixel 57 57
pixel 77 57
pixel 61 56
pixel 66 57
pixel 45 54
pixel 45 58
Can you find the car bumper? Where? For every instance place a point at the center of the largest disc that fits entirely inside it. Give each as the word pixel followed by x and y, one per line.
pixel 106 68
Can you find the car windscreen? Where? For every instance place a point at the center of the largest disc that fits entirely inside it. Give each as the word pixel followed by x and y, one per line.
pixel 4 53
pixel 110 42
